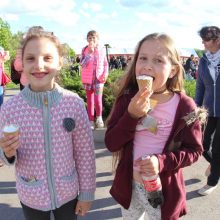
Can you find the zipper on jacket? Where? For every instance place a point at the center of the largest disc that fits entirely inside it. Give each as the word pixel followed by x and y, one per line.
pixel 214 85
pixel 50 179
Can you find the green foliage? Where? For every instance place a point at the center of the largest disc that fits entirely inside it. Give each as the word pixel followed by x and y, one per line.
pixel 16 43
pixel 5 35
pixel 199 52
pixel 71 53
pixel 72 81
pixel 110 90
pixel 68 52
pixel 190 87
pixel 5 38
pixel 11 85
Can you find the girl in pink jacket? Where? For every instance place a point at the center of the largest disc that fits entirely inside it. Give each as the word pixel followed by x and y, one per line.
pixel 94 74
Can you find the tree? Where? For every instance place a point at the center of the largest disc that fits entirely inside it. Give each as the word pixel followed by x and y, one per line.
pixel 16 42
pixel 5 35
pixel 68 52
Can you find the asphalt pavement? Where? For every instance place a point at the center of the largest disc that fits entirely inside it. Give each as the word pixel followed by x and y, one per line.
pixel 104 207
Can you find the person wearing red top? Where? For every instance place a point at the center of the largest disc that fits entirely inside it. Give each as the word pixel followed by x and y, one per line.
pixel 155 57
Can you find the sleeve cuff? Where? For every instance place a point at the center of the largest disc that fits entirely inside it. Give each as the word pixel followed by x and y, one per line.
pixel 7 161
pixel 86 196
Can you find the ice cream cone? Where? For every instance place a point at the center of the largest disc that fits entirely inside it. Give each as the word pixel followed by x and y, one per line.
pixel 145 82
pixel 11 129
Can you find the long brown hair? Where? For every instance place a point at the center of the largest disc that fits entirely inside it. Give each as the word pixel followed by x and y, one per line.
pixel 128 81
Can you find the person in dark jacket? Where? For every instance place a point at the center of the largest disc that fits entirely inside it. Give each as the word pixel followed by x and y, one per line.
pixel 174 142
pixel 190 66
pixel 208 94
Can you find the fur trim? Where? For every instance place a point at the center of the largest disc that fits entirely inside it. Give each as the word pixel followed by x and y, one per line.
pixel 200 113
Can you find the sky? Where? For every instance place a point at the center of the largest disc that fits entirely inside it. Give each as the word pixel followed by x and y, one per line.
pixel 120 23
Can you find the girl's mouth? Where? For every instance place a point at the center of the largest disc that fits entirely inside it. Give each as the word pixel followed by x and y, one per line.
pixel 148 75
pixel 39 75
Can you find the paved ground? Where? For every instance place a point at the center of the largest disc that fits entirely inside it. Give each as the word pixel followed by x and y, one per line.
pixel 104 207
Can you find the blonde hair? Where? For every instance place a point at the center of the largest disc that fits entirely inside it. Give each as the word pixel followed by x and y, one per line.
pixel 36 32
pixel 128 81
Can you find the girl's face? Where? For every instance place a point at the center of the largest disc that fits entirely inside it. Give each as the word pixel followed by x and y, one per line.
pixel 153 61
pixel 92 40
pixel 41 63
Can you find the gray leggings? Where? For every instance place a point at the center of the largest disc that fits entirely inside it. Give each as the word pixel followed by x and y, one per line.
pixel 140 208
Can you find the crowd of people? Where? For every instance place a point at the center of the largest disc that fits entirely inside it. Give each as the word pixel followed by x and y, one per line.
pixel 191 68
pixel 119 62
pixel 151 116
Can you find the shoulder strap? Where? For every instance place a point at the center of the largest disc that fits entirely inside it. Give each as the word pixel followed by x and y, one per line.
pixel 83 50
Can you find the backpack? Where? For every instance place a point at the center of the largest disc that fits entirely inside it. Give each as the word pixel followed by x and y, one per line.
pixel 15 75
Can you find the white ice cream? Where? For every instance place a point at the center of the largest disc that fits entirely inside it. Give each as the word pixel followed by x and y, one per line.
pixel 144 77
pixel 10 128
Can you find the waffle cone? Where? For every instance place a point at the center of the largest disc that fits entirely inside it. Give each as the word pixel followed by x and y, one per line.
pixel 14 131
pixel 145 83
pixel 11 133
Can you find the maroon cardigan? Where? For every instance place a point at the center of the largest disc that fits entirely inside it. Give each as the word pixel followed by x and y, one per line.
pixel 184 146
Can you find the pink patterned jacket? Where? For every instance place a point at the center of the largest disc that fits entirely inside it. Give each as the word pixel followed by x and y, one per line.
pixel 101 68
pixel 55 162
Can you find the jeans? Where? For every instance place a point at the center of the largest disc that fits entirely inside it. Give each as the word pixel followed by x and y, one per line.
pixel 1 94
pixel 65 212
pixel 211 146
pixel 1 99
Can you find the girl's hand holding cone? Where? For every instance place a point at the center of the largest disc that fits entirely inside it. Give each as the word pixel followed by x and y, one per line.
pixel 140 104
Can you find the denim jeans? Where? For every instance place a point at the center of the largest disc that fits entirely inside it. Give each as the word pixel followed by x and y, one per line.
pixel 1 99
pixel 1 94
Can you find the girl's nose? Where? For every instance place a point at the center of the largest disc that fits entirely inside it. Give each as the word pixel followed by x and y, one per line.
pixel 40 63
pixel 148 67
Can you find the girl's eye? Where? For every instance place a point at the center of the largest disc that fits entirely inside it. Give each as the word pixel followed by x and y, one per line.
pixel 158 60
pixel 48 58
pixel 29 58
pixel 142 58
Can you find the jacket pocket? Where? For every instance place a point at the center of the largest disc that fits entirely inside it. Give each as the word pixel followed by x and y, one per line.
pixel 70 177
pixel 68 186
pixel 33 192
pixel 30 181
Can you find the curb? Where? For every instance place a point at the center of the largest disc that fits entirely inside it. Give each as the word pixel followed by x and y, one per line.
pixel 99 134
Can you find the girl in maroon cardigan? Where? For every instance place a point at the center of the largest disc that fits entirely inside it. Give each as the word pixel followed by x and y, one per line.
pixel 173 138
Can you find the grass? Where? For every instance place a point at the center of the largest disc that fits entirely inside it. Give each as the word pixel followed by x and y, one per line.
pixel 11 85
